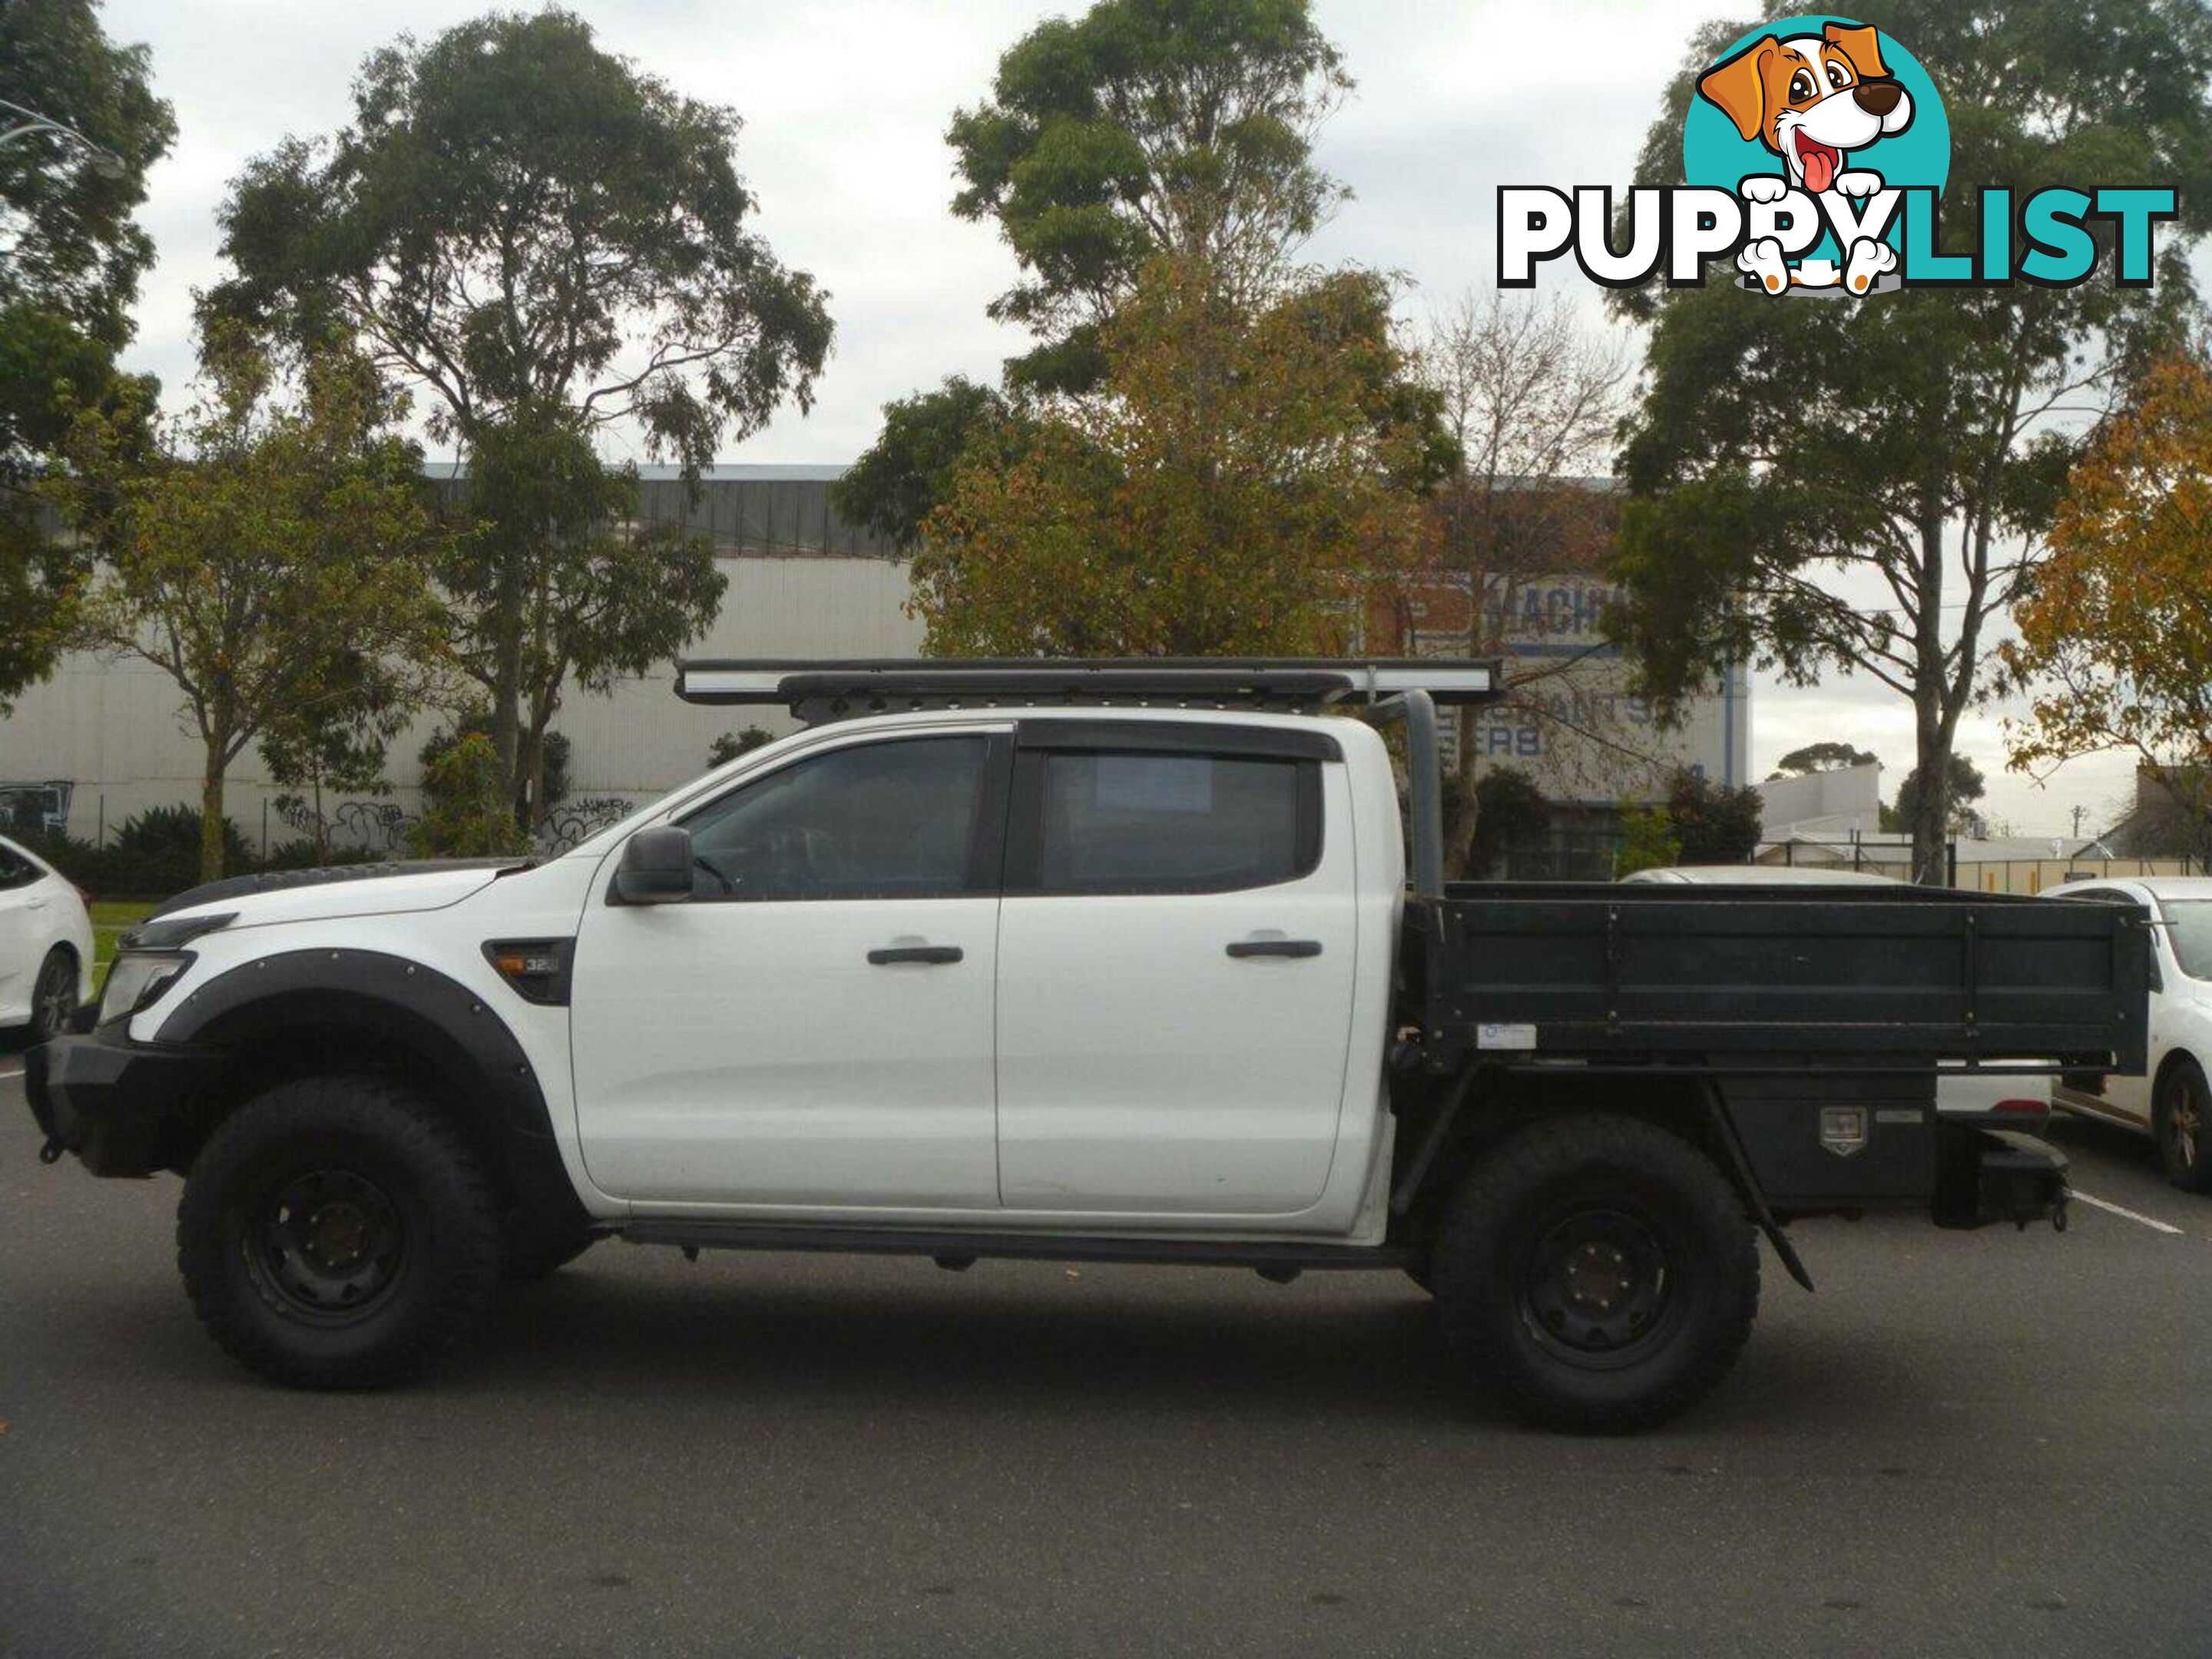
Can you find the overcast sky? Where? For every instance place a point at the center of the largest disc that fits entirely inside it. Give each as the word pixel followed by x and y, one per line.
pixel 846 102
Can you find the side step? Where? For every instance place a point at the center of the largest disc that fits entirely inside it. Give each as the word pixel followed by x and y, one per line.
pixel 690 1236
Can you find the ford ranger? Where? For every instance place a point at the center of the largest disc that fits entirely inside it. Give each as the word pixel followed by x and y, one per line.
pixel 1124 961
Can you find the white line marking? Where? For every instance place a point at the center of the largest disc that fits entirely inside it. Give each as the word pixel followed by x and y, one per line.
pixel 18 1072
pixel 2150 1222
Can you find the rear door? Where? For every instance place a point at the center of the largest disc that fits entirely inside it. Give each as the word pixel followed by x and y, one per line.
pixel 1178 947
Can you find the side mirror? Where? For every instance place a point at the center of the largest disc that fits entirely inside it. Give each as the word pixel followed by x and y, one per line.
pixel 655 867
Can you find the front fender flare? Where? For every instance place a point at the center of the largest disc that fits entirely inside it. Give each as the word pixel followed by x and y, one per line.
pixel 417 1015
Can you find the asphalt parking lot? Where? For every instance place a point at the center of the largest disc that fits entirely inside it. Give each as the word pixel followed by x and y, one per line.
pixel 1989 1444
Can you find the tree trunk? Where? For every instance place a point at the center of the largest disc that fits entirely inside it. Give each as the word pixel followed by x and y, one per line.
pixel 530 777
pixel 211 780
pixel 1930 825
pixel 506 680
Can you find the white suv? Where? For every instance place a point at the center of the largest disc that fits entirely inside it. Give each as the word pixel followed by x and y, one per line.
pixel 2171 1101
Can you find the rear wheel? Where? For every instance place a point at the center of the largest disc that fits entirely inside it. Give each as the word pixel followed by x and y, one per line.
pixel 338 1232
pixel 2182 1117
pixel 54 996
pixel 1597 1273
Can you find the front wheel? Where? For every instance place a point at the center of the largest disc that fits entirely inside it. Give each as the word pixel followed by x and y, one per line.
pixel 338 1232
pixel 2183 1121
pixel 1597 1273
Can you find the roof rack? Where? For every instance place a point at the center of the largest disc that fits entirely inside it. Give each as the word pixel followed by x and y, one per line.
pixel 817 692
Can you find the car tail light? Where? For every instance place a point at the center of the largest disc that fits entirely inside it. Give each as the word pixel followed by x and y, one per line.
pixel 2024 1107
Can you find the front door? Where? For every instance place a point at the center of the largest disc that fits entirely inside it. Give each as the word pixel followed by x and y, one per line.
pixel 814 1028
pixel 1177 955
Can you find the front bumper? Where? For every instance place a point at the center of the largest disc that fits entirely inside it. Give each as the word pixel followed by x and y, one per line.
pixel 116 1103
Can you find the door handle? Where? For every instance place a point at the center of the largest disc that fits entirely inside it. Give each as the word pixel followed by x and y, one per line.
pixel 933 955
pixel 1275 947
pixel 34 904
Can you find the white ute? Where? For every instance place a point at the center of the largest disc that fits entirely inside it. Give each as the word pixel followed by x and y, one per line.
pixel 1076 961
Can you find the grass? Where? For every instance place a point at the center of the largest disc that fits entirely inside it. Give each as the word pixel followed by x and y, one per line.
pixel 109 918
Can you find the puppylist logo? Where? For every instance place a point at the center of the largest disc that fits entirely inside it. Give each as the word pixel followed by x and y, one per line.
pixel 1816 151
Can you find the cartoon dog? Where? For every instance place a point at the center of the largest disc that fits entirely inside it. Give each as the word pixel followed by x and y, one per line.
pixel 1812 98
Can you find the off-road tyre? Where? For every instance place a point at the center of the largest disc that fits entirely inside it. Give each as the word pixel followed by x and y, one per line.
pixel 1596 1273
pixel 527 1254
pixel 338 1232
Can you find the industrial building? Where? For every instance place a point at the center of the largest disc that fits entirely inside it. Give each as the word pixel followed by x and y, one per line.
pixel 101 741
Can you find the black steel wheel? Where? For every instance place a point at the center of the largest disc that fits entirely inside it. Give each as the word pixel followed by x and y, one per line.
pixel 1595 1288
pixel 2182 1118
pixel 54 996
pixel 326 1246
pixel 338 1232
pixel 1597 1273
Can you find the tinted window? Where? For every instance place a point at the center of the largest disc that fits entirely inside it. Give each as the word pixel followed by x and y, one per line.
pixel 2189 930
pixel 879 820
pixel 1153 823
pixel 15 870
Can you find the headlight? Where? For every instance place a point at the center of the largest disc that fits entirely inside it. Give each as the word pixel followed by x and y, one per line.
pixel 137 979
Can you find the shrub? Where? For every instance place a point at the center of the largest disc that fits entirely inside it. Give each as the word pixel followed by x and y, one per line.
pixel 465 811
pixel 1649 841
pixel 155 855
pixel 731 744
pixel 1510 811
pixel 477 723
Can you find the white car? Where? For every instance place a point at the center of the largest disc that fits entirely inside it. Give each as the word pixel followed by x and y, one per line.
pixel 46 945
pixel 2025 1101
pixel 2170 1101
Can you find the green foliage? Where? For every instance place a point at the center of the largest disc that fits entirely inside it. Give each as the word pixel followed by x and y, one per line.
pixel 261 555
pixel 154 855
pixel 69 273
pixel 174 834
pixel 1822 758
pixel 466 812
pixel 517 219
pixel 907 471
pixel 1711 822
pixel 74 251
pixel 550 582
pixel 478 723
pixel 1221 493
pixel 1649 841
pixel 731 744
pixel 1906 437
pixel 1956 813
pixel 1510 811
pixel 546 241
pixel 1145 127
